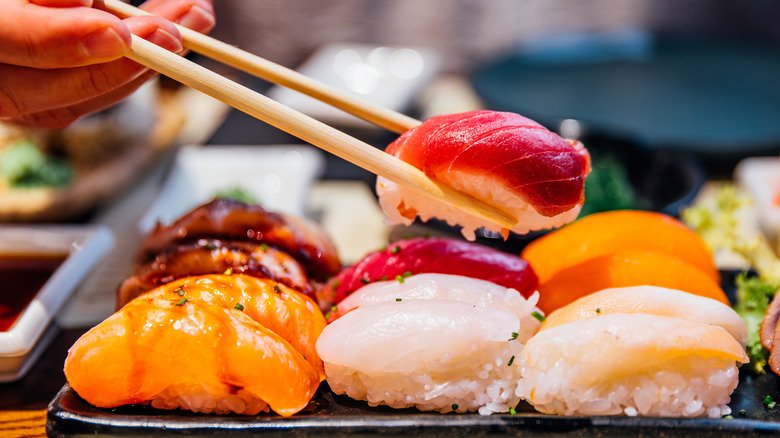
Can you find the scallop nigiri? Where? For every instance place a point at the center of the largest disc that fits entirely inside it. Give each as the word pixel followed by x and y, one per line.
pixel 651 300
pixel 436 355
pixel 504 159
pixel 285 311
pixel 189 355
pixel 480 293
pixel 632 364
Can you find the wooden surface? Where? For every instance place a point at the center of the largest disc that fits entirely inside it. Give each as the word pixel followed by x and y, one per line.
pixel 23 403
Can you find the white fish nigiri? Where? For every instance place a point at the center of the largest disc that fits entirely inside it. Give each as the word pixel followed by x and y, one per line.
pixel 633 364
pixel 481 293
pixel 651 300
pixel 437 355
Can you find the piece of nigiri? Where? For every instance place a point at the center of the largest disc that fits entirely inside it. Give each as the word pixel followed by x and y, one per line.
pixel 651 300
pixel 477 292
pixel 633 364
pixel 504 159
pixel 285 311
pixel 436 355
pixel 189 355
pixel 432 254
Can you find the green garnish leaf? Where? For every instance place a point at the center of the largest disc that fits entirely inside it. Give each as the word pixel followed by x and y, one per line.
pixel 277 289
pixel 398 299
pixel 538 316
pixel 395 250
pixel 454 406
pixel 399 278
pixel 511 360
pixel 512 411
pixel 239 306
pixel 364 280
pixel 514 336
pixel 181 302
pixel 598 310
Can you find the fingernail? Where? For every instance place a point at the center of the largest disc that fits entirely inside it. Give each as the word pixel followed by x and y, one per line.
pixel 164 39
pixel 197 18
pixel 103 43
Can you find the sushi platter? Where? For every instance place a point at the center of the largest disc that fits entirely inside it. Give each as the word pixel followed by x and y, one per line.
pixel 239 319
pixel 332 415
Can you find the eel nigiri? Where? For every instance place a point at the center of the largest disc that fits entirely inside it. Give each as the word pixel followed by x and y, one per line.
pixel 432 255
pixel 214 256
pixel 504 159
pixel 632 364
pixel 436 355
pixel 284 311
pixel 189 355
pixel 226 218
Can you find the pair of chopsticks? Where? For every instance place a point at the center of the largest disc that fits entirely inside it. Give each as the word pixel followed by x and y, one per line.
pixel 292 121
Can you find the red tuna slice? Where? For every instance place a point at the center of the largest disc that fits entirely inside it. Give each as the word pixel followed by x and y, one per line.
pixel 432 255
pixel 545 170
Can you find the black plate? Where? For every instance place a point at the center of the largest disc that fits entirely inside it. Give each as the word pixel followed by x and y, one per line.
pixel 330 415
pixel 718 98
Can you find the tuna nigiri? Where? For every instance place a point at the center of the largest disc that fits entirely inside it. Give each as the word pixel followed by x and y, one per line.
pixel 504 159
pixel 189 355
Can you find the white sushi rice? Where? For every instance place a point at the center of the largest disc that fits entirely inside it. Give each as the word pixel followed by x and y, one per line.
pixel 435 355
pixel 684 387
pixel 208 399
pixel 491 191
pixel 487 388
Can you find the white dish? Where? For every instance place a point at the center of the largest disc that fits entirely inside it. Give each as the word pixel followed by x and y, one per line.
pixel 278 177
pixel 391 77
pixel 83 247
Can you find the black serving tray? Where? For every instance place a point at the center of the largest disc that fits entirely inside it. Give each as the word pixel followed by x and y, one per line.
pixel 333 415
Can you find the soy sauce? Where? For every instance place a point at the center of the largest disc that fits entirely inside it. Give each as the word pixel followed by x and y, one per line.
pixel 21 278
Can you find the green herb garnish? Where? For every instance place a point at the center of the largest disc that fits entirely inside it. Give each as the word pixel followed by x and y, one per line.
pixel 511 360
pixel 181 302
pixel 395 250
pixel 538 316
pixel 239 306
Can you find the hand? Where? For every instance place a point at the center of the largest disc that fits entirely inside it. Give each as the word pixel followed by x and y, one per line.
pixel 62 59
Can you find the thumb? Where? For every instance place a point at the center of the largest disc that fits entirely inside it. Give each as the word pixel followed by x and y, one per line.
pixel 44 36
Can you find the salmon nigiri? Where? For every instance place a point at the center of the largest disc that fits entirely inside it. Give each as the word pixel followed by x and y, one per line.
pixel 504 159
pixel 190 355
pixel 285 311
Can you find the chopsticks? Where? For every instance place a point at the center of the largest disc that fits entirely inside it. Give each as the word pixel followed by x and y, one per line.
pixel 307 129
pixel 275 73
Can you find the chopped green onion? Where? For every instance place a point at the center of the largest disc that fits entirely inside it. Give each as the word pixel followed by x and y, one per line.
pixel 454 406
pixel 598 310
pixel 395 250
pixel 407 274
pixel 511 360
pixel 180 291
pixel 336 283
pixel 364 280
pixel 514 336
pixel 276 289
pixel 264 246
pixel 239 306
pixel 512 411
pixel 728 417
pixel 538 316
pixel 181 302
pixel 399 278
pixel 398 299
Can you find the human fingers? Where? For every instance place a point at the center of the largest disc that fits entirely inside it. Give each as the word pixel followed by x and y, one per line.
pixel 59 118
pixel 61 88
pixel 39 36
pixel 197 15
